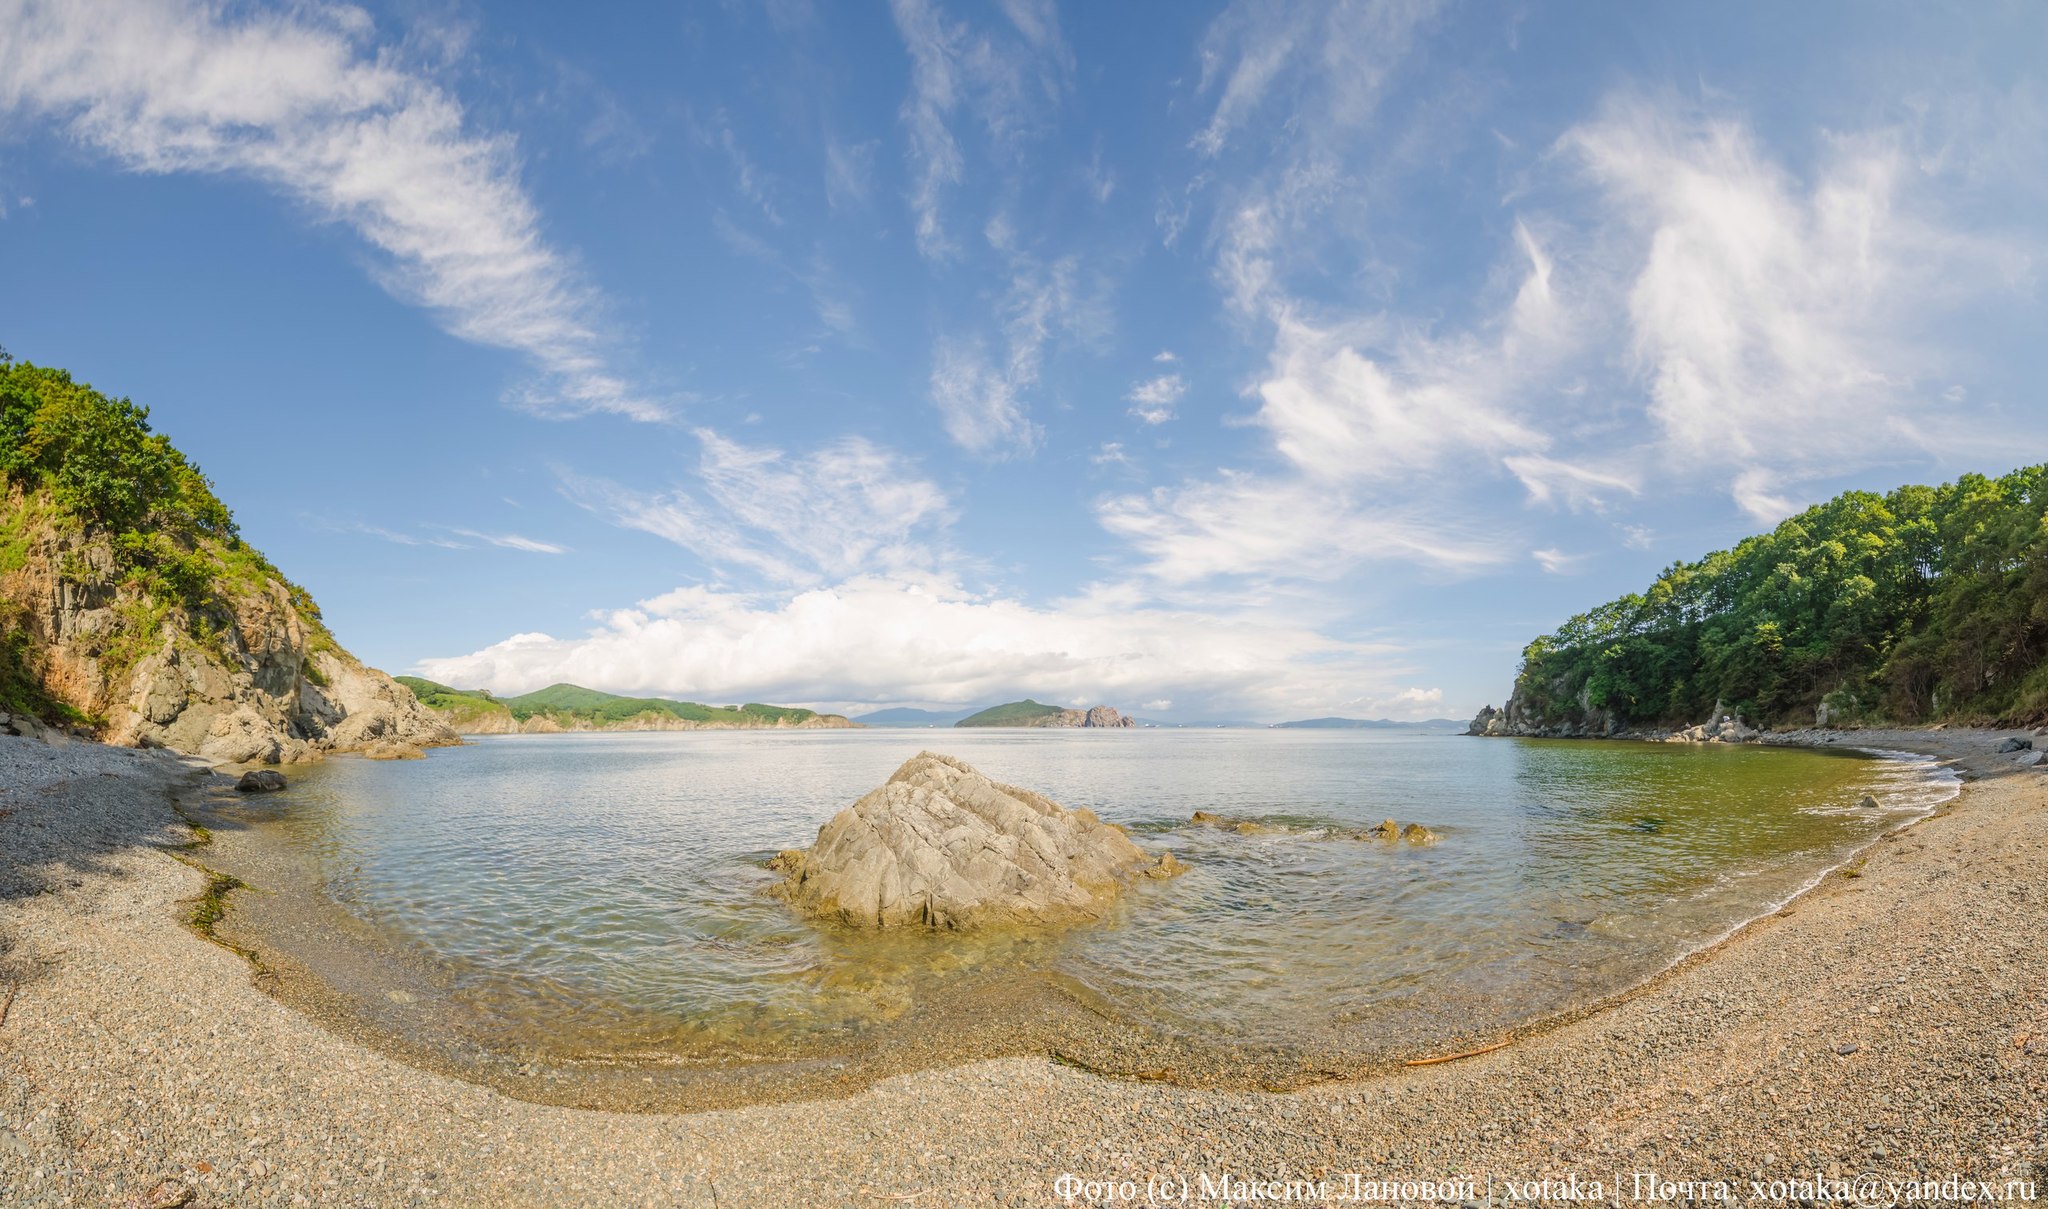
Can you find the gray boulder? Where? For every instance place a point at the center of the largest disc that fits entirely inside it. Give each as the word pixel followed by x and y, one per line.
pixel 942 846
pixel 261 780
pixel 2015 745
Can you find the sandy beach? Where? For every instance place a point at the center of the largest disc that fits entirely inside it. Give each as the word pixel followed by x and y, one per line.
pixel 1892 1024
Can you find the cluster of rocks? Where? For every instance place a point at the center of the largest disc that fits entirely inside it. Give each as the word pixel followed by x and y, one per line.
pixel 1413 833
pixel 1517 721
pixel 31 728
pixel 2023 753
pixel 1725 728
pixel 942 846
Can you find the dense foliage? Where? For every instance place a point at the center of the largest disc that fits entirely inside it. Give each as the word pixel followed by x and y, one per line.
pixel 1929 602
pixel 98 458
pixel 124 516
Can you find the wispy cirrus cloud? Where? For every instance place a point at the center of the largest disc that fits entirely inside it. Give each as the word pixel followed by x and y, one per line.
pixel 1781 324
pixel 845 508
pixel 1000 76
pixel 1154 399
pixel 306 101
pixel 445 537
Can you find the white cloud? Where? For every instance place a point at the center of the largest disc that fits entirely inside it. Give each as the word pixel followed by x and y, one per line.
pixel 1002 80
pixel 301 100
pixel 978 401
pixel 508 541
pixel 513 541
pixel 1333 60
pixel 1153 399
pixel 849 173
pixel 1555 561
pixel 1549 480
pixel 1111 454
pixel 1165 356
pixel 927 640
pixel 1779 324
pixel 1241 524
pixel 981 402
pixel 849 506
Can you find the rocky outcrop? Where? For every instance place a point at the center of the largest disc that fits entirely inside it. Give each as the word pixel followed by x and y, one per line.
pixel 1101 715
pixel 942 846
pixel 252 678
pixel 1516 720
pixel 1723 728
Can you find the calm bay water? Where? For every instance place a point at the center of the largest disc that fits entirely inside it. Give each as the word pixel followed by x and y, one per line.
pixel 597 894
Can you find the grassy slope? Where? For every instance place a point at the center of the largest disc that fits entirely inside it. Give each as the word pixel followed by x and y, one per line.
pixel 1016 713
pixel 458 706
pixel 570 702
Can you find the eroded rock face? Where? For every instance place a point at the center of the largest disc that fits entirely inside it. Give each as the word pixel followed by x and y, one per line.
pixel 266 687
pixel 942 846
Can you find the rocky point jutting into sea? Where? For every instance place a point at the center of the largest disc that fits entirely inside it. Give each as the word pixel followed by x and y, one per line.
pixel 247 673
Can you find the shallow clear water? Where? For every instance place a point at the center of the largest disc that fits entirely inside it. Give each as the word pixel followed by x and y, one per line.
pixel 605 893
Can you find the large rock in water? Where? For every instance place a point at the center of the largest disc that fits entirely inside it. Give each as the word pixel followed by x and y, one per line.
pixel 941 846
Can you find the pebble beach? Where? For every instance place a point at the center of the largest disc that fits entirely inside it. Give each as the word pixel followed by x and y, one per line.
pixel 1891 1025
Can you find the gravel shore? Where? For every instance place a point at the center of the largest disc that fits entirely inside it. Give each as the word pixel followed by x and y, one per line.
pixel 1894 1022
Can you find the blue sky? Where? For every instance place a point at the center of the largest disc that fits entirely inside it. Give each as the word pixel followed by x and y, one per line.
pixel 1261 360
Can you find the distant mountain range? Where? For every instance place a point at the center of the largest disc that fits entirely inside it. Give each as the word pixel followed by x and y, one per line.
pixel 1021 713
pixel 1363 724
pixel 912 717
pixel 570 707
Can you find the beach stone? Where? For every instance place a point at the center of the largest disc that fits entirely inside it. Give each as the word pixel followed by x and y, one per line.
pixel 1846 1048
pixel 1416 833
pixel 942 846
pixel 260 780
pixel 2015 744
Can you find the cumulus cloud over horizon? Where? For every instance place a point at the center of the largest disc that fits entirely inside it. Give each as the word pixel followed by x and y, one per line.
pixel 886 641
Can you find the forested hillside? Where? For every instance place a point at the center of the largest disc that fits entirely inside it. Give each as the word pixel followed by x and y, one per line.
pixel 1927 603
pixel 131 606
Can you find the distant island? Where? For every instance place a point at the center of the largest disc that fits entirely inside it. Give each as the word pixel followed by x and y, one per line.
pixel 1032 713
pixel 560 708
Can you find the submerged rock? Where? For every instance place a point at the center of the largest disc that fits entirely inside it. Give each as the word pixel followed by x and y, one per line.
pixel 1867 802
pixel 260 780
pixel 942 846
pixel 1416 833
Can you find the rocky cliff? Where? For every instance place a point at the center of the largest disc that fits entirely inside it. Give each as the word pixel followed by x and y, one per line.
pixel 1101 715
pixel 249 676
pixel 1517 720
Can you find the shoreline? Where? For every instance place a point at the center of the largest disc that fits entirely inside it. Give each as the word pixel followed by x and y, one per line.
pixel 318 958
pixel 66 961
